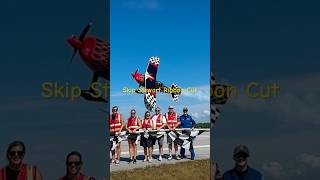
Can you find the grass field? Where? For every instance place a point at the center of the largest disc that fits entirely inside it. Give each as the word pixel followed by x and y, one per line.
pixel 198 170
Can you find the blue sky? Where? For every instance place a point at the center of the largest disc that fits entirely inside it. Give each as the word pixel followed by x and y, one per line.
pixel 179 33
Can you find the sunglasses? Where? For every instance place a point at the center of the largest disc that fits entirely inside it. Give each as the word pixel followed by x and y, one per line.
pixel 13 153
pixel 76 163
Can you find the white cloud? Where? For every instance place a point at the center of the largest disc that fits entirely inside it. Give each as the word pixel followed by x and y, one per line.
pixel 206 112
pixel 310 160
pixel 142 4
pixel 201 93
pixel 297 101
pixel 274 170
pixel 196 115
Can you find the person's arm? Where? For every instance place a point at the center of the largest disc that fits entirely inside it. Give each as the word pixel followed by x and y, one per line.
pixel 178 123
pixel 193 122
pixel 122 123
pixel 164 122
pixel 139 124
pixel 38 175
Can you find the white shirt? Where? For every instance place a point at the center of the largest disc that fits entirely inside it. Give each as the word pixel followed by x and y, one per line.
pixel 154 120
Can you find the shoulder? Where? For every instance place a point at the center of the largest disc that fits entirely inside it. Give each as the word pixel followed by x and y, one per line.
pixel 228 174
pixel 2 169
pixel 254 172
pixel 63 178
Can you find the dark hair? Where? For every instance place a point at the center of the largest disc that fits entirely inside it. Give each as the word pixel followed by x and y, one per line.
pixel 115 107
pixel 74 153
pixel 145 114
pixel 16 143
pixel 71 154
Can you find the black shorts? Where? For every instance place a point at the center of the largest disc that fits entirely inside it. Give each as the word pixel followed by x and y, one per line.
pixel 146 142
pixel 132 137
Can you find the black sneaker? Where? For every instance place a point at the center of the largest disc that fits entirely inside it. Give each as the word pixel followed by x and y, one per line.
pixel 134 161
pixel 130 161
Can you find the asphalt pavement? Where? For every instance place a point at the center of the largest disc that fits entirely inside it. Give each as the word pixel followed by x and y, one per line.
pixel 201 147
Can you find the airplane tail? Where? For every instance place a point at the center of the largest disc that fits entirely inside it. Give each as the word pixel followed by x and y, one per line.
pixel 175 94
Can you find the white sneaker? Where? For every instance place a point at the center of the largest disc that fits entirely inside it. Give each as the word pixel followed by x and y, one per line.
pixel 149 160
pixel 170 157
pixel 160 158
pixel 117 162
pixel 178 157
pixel 145 159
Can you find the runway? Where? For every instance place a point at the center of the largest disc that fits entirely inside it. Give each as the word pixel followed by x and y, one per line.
pixel 201 147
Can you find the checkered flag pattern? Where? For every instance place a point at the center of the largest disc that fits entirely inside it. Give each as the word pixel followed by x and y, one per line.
pixel 154 60
pixel 175 96
pixel 214 114
pixel 219 93
pixel 150 101
pixel 217 98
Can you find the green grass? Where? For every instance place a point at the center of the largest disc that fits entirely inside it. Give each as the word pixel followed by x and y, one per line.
pixel 197 169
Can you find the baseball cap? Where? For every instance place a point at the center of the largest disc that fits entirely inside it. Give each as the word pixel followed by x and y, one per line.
pixel 185 109
pixel 241 151
pixel 170 107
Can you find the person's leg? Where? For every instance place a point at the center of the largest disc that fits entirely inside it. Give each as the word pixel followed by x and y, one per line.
pixel 169 140
pixel 160 143
pixel 176 151
pixel 113 156
pixel 129 144
pixel 182 152
pixel 130 150
pixel 170 149
pixel 150 153
pixel 134 150
pixel 145 153
pixel 118 151
pixel 192 150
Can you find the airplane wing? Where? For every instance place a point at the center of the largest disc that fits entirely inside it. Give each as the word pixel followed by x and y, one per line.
pixel 101 58
pixel 150 83
pixel 219 93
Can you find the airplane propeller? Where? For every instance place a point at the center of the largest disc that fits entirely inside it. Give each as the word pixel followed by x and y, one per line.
pixel 81 37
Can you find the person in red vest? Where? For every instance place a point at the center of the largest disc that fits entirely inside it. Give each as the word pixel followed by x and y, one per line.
pixel 74 164
pixel 147 142
pixel 16 169
pixel 116 126
pixel 159 122
pixel 172 123
pixel 133 124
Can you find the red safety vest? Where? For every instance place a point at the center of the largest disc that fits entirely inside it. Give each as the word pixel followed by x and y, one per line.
pixel 115 124
pixel 172 119
pixel 147 123
pixel 132 123
pixel 159 122
pixel 27 172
